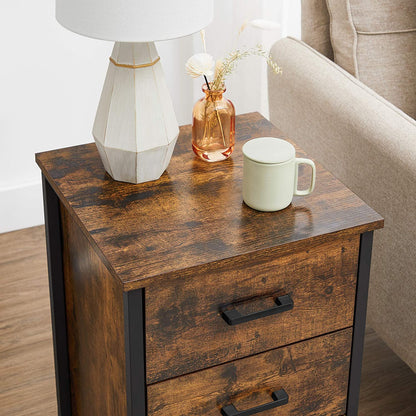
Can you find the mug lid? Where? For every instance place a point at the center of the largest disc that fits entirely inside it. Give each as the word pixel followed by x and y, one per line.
pixel 269 150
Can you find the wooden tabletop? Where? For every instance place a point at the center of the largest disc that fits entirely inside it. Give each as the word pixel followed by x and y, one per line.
pixel 194 214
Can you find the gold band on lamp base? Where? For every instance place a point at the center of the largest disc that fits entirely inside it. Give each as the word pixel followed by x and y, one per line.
pixel 135 66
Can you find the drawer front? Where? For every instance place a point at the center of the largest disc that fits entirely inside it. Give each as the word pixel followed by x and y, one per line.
pixel 186 316
pixel 313 374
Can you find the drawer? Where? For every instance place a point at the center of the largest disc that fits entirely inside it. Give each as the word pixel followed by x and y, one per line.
pixel 312 375
pixel 185 326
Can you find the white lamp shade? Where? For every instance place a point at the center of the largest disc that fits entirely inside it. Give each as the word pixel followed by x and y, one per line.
pixel 134 20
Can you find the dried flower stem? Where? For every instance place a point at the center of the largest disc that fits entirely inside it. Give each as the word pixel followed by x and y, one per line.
pixel 202 33
pixel 219 122
pixel 206 80
pixel 216 112
pixel 231 60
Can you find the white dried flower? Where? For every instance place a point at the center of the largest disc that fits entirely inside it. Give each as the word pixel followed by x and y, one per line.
pixel 264 24
pixel 200 64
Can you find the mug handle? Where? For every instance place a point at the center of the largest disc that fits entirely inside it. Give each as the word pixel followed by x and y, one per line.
pixel 300 161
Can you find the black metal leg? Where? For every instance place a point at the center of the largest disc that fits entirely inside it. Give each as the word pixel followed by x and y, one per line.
pixel 57 297
pixel 363 278
pixel 134 337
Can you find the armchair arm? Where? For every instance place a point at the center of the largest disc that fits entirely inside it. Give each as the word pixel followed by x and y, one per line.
pixel 370 145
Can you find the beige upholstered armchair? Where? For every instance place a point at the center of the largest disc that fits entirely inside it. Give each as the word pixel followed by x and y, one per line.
pixel 346 115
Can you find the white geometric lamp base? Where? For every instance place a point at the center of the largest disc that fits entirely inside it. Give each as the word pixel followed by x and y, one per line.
pixel 135 128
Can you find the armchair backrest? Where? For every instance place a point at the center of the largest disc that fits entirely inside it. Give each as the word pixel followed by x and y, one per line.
pixel 373 40
pixel 315 26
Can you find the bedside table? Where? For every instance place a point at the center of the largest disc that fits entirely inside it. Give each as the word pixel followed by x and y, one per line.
pixel 173 298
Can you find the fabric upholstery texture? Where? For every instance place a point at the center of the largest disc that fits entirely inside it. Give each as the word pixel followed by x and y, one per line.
pixel 376 42
pixel 315 26
pixel 370 145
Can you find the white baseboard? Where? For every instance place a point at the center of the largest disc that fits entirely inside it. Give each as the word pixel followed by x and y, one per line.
pixel 21 207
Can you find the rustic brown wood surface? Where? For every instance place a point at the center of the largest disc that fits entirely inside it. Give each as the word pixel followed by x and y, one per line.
pixel 184 328
pixel 94 303
pixel 194 214
pixel 27 385
pixel 314 374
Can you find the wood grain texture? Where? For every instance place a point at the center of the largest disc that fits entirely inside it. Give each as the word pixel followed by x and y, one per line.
pixel 94 302
pixel 194 209
pixel 314 374
pixel 27 386
pixel 27 378
pixel 184 328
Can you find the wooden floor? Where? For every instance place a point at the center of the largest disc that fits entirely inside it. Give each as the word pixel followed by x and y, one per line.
pixel 27 384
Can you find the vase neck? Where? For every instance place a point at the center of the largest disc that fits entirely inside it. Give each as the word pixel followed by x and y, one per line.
pixel 213 95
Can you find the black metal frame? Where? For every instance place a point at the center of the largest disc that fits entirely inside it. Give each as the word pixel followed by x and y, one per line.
pixel 53 229
pixel 360 313
pixel 134 338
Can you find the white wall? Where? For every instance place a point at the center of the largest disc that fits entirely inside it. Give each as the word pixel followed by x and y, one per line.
pixel 52 80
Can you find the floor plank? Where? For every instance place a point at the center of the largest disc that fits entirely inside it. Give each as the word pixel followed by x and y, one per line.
pixel 388 386
pixel 27 386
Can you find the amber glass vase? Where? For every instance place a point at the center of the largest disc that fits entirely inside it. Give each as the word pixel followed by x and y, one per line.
pixel 213 128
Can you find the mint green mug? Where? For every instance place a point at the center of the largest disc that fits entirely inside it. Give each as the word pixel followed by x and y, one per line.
pixel 270 174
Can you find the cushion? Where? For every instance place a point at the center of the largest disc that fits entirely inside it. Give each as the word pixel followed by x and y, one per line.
pixel 315 26
pixel 376 42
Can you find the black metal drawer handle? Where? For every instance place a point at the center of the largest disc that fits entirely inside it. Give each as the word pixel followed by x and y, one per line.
pixel 233 317
pixel 279 397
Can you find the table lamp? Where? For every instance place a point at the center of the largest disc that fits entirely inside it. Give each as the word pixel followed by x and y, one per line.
pixel 135 128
